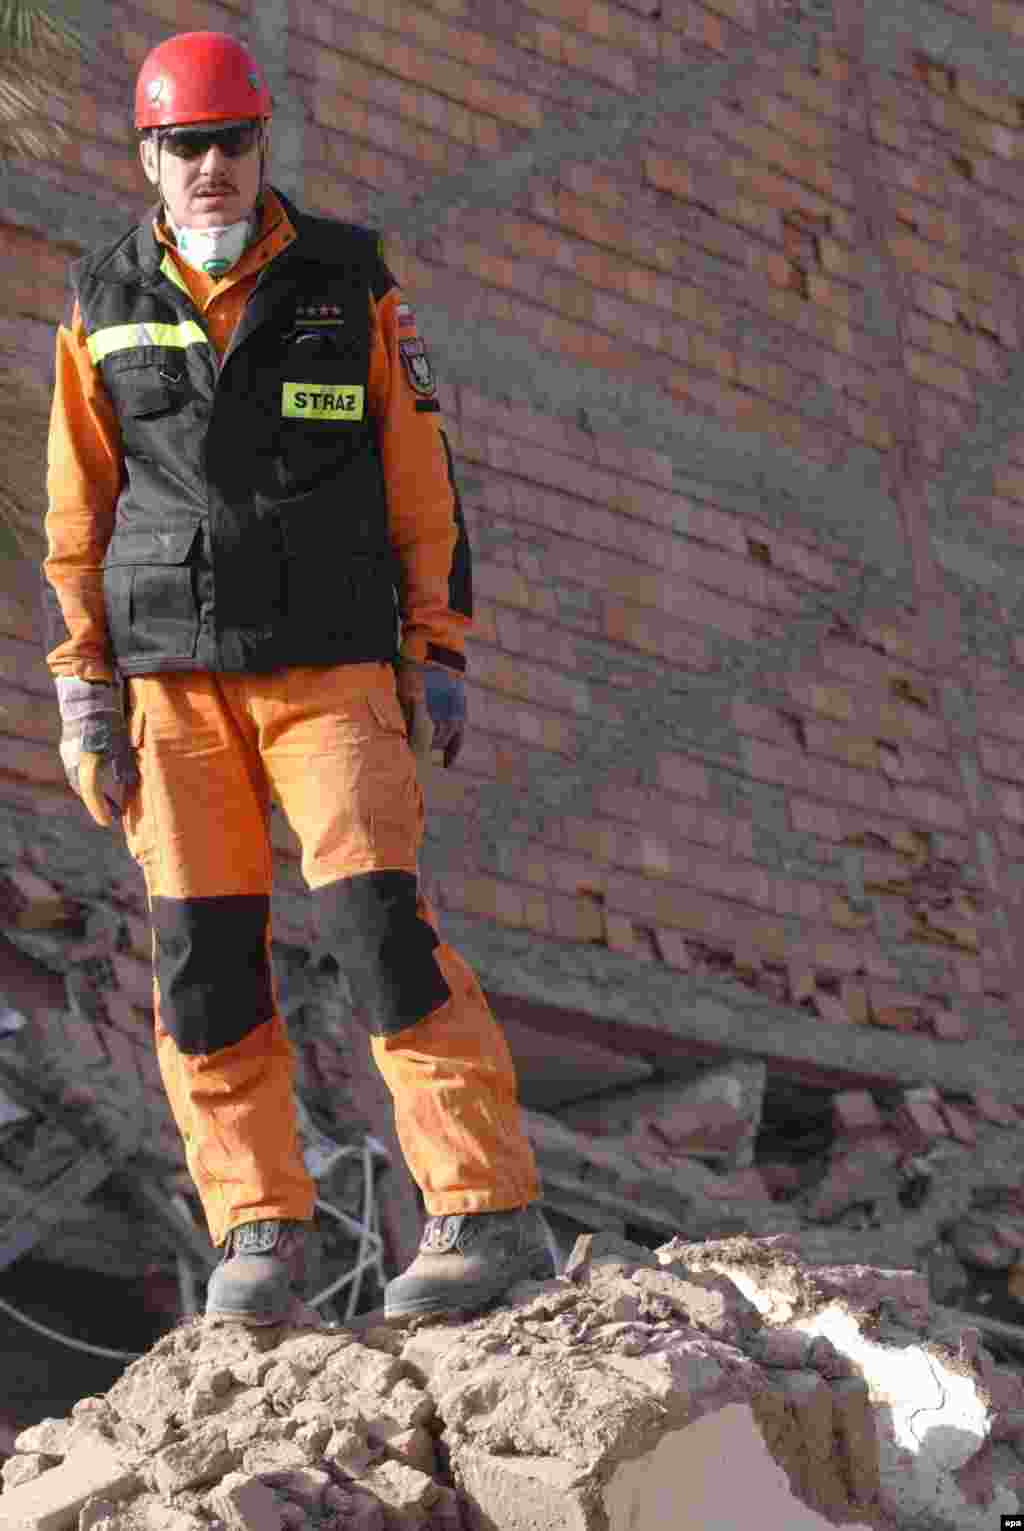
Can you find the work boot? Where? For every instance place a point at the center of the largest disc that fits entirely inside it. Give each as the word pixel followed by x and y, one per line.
pixel 468 1259
pixel 260 1273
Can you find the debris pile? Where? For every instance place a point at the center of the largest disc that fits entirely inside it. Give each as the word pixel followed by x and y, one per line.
pixel 725 1383
pixel 899 1174
pixel 904 1177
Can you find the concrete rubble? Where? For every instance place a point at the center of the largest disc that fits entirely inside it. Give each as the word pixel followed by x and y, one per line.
pixel 899 1174
pixel 723 1383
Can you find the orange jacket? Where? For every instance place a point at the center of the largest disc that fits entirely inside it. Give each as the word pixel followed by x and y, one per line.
pixel 85 467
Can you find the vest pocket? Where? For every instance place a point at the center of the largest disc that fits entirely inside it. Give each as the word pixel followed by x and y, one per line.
pixel 149 588
pixel 144 387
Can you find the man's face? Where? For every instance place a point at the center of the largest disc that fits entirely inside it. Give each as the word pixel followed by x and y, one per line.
pixel 207 192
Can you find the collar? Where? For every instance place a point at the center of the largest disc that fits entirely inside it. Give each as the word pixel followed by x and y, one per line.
pixel 276 232
pixel 285 230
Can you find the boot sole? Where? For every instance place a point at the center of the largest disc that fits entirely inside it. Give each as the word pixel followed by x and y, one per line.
pixel 541 1268
pixel 299 1315
pixel 251 1320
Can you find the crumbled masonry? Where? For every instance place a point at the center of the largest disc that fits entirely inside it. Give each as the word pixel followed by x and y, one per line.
pixel 723 1384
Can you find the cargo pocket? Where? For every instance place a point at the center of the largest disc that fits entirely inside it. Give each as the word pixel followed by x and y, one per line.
pixel 150 593
pixel 147 381
pixel 396 809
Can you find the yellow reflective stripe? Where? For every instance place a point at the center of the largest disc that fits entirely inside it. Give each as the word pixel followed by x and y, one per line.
pixel 171 272
pixel 129 337
pixel 336 402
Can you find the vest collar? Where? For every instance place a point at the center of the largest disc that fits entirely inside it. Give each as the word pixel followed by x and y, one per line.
pixel 138 255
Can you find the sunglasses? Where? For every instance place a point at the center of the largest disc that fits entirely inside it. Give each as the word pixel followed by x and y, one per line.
pixel 193 143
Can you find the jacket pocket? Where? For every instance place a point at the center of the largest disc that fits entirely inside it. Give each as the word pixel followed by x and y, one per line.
pixel 334 577
pixel 150 594
pixel 145 387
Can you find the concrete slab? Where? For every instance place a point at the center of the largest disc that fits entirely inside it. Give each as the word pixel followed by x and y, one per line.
pixel 681 1483
pixel 553 1070
pixel 52 1502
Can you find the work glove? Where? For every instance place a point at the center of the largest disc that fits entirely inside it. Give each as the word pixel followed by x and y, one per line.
pixel 94 738
pixel 433 702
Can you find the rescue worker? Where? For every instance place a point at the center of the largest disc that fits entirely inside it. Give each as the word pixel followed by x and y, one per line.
pixel 258 579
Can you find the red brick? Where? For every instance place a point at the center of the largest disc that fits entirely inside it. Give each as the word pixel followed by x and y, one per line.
pixel 126 1014
pixel 673 949
pixel 576 919
pixel 124 1057
pixel 899 1009
pixel 135 979
pixel 800 978
pixel 923 803
pixel 36 763
pixel 855 1112
pixel 24 717
pixel 713 1124
pixel 950 1026
pixel 17 618
pixel 831 1009
pixel 780 1177
pixel 1008 1231
pixel 959 1124
pixel 687 777
pixel 923 1121
pixel 619 934
pixel 29 901
pixel 745 1185
pixel 994 1110
pixel 854 1174
pixel 855 999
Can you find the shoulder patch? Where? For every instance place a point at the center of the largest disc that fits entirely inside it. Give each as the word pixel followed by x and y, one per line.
pixel 417 366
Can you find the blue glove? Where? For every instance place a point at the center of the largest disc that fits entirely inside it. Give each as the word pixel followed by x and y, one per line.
pixel 438 693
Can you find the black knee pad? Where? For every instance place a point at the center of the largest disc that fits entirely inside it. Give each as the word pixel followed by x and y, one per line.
pixel 212 968
pixel 371 925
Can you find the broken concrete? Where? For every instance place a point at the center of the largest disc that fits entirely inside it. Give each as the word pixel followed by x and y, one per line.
pixel 723 1384
pixel 53 1499
pixel 894 1175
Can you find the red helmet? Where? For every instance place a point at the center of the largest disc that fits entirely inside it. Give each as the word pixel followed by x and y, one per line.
pixel 200 77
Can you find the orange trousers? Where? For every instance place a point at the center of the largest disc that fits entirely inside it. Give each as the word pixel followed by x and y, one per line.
pixel 330 743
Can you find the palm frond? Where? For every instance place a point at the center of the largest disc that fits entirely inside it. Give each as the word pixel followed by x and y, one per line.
pixel 38 45
pixel 27 25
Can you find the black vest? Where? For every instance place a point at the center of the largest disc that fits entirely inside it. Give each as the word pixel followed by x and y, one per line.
pixel 251 525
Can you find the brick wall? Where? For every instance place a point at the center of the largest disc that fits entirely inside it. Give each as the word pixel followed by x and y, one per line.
pixel 743 684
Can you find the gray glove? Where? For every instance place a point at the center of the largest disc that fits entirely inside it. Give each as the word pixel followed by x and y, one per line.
pixel 94 736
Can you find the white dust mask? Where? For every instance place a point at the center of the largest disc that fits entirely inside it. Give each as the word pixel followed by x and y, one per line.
pixel 214 251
